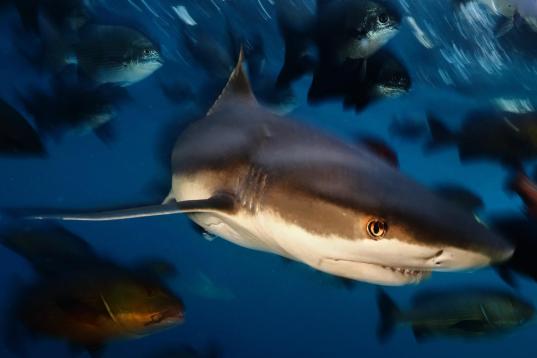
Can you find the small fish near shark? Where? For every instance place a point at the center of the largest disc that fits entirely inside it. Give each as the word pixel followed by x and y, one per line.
pixel 267 183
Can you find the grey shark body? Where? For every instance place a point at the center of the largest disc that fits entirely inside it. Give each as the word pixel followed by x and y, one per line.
pixel 268 183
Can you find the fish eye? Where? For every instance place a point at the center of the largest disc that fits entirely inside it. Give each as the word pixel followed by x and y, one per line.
pixel 377 228
pixel 382 19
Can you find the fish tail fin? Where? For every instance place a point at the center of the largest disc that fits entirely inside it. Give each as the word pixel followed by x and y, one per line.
pixel 388 315
pixel 441 135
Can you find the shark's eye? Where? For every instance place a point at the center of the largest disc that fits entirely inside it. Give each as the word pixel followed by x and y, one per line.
pixel 377 228
pixel 382 19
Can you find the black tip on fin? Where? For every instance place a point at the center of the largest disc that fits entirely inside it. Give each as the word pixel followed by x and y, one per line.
pixel 238 85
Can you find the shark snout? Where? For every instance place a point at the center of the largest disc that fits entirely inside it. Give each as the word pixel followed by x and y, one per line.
pixel 460 258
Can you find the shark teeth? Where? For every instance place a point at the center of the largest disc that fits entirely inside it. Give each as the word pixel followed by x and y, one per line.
pixel 405 271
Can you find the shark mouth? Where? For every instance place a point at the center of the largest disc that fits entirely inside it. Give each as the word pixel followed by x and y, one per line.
pixel 374 273
pixel 410 272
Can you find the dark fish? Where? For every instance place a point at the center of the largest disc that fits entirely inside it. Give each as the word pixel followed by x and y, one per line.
pixel 381 149
pixel 65 15
pixel 464 313
pixel 409 129
pixel 506 137
pixel 214 51
pixel 17 136
pixel 526 189
pixel 104 54
pixel 75 108
pixel 461 196
pixel 360 82
pixel 85 299
pixel 279 99
pixel 521 231
pixel 50 249
pixel 342 30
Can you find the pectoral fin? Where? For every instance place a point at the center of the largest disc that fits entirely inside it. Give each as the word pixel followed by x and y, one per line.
pixel 217 203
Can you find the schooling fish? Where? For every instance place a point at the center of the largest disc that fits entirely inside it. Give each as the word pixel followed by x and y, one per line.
pixel 341 30
pixel 521 231
pixel 83 298
pixel 464 313
pixel 506 137
pixel 268 183
pixel 17 136
pixel 515 12
pixel 107 54
pixel 75 108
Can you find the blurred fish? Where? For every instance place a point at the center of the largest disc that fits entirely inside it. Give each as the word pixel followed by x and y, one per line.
pixel 352 214
pixel 361 83
pixel 521 231
pixel 17 136
pixel 506 137
pixel 461 196
pixel 75 108
pixel 50 249
pixel 83 298
pixel 92 306
pixel 515 13
pixel 215 51
pixel 409 129
pixel 341 30
pixel 107 54
pixel 465 313
pixel 280 100
pixel 526 188
pixel 65 15
pixel 380 148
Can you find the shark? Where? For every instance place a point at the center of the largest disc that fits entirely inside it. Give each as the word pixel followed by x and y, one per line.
pixel 273 184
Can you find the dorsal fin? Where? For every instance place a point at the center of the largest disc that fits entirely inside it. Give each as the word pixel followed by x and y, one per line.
pixel 237 86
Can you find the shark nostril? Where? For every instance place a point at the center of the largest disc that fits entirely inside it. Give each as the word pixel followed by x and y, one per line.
pixel 439 253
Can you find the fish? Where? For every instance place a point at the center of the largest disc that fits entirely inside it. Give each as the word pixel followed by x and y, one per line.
pixel 468 312
pixel 361 82
pixel 106 54
pixel 73 108
pixel 214 51
pixel 508 138
pixel 268 183
pixel 50 249
pixel 83 298
pixel 17 136
pixel 341 30
pixel 514 13
pixel 526 189
pixel 66 15
pixel 521 231
pixel 461 196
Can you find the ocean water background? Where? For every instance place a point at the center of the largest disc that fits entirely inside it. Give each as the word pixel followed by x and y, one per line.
pixel 278 309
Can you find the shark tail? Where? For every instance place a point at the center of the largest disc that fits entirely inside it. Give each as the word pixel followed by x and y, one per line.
pixel 441 135
pixel 388 315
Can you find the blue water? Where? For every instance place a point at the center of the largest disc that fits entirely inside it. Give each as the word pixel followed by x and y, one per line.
pixel 278 309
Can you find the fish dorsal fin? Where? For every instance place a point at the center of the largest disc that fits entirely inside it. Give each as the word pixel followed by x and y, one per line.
pixel 237 86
